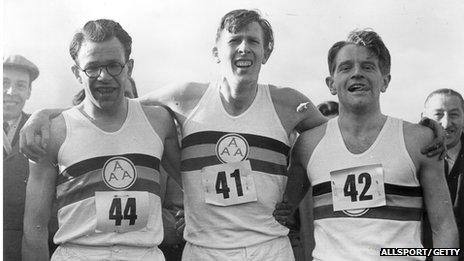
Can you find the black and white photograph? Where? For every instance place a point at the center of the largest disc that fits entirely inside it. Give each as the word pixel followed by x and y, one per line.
pixel 204 130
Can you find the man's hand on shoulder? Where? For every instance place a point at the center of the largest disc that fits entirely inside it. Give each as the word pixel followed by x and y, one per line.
pixel 35 134
pixel 438 145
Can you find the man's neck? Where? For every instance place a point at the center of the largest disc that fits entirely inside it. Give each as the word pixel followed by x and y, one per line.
pixel 237 97
pixel 108 119
pixel 454 151
pixel 358 123
pixel 11 119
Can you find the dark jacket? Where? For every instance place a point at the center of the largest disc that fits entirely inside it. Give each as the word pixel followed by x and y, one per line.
pixel 15 174
pixel 457 176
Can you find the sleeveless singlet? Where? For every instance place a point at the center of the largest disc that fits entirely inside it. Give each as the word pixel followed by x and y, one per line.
pixel 234 172
pixel 108 185
pixel 358 234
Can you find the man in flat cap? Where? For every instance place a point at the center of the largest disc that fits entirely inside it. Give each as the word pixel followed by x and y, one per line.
pixel 18 74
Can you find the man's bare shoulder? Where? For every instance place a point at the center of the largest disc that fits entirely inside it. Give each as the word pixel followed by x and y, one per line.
pixel 308 141
pixel 180 97
pixel 160 118
pixel 286 101
pixel 286 96
pixel 57 134
pixel 416 137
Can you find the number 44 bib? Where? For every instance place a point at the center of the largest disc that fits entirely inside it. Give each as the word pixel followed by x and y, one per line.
pixel 228 184
pixel 358 187
pixel 121 211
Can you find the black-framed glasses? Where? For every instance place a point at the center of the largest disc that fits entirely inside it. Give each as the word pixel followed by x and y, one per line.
pixel 113 69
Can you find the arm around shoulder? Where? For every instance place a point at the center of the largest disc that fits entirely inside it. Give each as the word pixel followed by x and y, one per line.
pixel 163 124
pixel 40 192
pixel 286 101
pixel 435 190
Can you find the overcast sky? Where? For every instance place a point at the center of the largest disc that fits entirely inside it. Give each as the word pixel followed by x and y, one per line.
pixel 172 41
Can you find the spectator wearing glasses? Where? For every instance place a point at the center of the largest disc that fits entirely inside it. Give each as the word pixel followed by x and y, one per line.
pixel 18 75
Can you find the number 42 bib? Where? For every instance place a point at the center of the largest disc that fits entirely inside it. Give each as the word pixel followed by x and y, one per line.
pixel 358 188
pixel 228 184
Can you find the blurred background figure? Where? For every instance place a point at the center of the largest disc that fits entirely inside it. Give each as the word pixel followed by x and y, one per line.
pixel 18 75
pixel 329 109
pixel 446 106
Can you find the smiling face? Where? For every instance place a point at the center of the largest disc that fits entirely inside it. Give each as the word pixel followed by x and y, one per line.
pixel 241 54
pixel 104 91
pixel 448 111
pixel 16 90
pixel 357 79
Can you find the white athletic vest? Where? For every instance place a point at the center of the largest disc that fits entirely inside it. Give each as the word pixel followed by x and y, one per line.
pixel 92 161
pixel 359 234
pixel 212 137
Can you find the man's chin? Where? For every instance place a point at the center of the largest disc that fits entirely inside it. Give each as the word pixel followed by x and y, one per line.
pixel 9 114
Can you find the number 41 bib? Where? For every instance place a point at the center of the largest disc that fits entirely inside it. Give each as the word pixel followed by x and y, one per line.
pixel 358 187
pixel 228 184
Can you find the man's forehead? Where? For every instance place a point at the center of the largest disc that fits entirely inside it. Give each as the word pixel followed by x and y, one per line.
pixel 16 74
pixel 109 50
pixel 246 28
pixel 442 101
pixel 353 52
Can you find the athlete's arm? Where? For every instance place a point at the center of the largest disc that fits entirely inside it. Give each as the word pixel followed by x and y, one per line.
pixel 35 134
pixel 298 182
pixel 438 145
pixel 286 101
pixel 40 193
pixel 163 124
pixel 181 98
pixel 435 190
pixel 171 155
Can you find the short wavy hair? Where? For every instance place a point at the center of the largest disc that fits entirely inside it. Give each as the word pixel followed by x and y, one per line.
pixel 367 38
pixel 445 91
pixel 99 31
pixel 234 21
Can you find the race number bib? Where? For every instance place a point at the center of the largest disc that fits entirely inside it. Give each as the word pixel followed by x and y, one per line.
pixel 228 184
pixel 358 188
pixel 121 211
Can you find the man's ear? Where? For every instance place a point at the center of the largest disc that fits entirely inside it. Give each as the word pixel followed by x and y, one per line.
pixel 76 71
pixel 386 80
pixel 330 83
pixel 215 53
pixel 267 54
pixel 130 66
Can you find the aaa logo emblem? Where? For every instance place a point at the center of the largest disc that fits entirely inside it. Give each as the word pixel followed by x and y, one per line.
pixel 119 173
pixel 232 148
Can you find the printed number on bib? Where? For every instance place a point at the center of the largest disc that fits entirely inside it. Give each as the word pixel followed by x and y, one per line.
pixel 358 187
pixel 121 211
pixel 228 184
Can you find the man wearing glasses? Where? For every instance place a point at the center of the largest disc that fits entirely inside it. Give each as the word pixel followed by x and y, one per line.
pixel 102 162
pixel 18 75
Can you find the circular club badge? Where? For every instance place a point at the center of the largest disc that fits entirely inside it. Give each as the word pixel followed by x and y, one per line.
pixel 119 173
pixel 232 148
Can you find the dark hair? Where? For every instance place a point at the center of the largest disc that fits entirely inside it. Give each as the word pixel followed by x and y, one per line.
pixel 445 91
pixel 234 21
pixel 328 108
pixel 367 38
pixel 99 31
